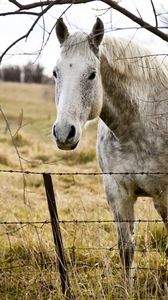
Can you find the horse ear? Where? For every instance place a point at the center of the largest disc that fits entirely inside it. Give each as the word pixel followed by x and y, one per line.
pixel 97 33
pixel 61 31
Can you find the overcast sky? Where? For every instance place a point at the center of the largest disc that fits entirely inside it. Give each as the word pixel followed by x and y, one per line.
pixel 77 17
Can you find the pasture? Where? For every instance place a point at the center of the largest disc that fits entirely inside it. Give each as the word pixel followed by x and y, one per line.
pixel 27 256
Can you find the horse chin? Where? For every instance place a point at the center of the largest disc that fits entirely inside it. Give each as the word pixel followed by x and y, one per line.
pixel 67 146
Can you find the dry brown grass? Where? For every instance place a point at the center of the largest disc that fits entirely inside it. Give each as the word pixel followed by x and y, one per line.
pixel 27 257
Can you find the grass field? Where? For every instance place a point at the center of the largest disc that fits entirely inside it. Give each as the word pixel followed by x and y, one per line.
pixel 27 256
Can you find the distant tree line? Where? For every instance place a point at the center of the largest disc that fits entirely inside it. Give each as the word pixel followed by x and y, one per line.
pixel 30 73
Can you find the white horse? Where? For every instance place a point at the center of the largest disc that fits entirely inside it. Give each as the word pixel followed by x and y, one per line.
pixel 128 89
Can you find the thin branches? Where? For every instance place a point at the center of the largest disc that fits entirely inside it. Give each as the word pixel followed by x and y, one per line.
pixel 18 12
pixel 16 149
pixel 46 3
pixel 25 36
pixel 28 9
pixel 137 20
pixel 111 3
pixel 155 15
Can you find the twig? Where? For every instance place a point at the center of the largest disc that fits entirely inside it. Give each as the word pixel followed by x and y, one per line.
pixel 20 121
pixel 18 12
pixel 17 152
pixel 154 11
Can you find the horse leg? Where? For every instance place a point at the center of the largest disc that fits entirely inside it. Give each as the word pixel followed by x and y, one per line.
pixel 122 203
pixel 161 205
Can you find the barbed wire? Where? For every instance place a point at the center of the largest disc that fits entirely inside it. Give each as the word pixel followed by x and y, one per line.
pixel 79 221
pixel 76 221
pixel 111 249
pixel 27 172
pixel 143 249
pixel 48 264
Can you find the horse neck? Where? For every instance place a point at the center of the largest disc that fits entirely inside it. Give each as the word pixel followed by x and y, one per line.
pixel 120 111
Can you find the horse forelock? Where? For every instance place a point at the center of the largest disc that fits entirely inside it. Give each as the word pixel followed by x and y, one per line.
pixel 77 44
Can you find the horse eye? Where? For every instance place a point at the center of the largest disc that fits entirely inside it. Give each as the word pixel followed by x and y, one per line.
pixel 92 76
pixel 54 74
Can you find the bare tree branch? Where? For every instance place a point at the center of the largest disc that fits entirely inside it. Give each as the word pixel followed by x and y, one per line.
pixel 48 2
pixel 16 3
pixel 137 20
pixel 26 9
pixel 18 12
pixel 112 4
pixel 25 36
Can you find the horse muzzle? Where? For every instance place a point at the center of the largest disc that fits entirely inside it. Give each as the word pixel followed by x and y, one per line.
pixel 66 136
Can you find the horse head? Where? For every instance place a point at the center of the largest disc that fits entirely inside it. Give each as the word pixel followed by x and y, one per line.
pixel 78 83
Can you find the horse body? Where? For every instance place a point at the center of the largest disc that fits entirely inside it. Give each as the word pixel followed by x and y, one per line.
pixel 122 83
pixel 133 138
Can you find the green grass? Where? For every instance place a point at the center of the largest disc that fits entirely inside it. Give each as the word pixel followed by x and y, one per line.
pixel 28 268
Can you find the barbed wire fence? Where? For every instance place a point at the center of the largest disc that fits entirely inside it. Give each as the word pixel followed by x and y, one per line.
pixel 55 223
pixel 66 255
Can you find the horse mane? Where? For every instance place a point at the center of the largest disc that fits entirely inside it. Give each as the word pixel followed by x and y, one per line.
pixel 132 60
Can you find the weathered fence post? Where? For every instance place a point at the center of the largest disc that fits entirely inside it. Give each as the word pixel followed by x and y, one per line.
pixel 65 283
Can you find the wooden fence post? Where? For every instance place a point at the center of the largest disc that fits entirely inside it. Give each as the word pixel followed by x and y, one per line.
pixel 62 265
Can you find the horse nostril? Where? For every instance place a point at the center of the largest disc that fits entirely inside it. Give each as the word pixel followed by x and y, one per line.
pixel 54 131
pixel 71 133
